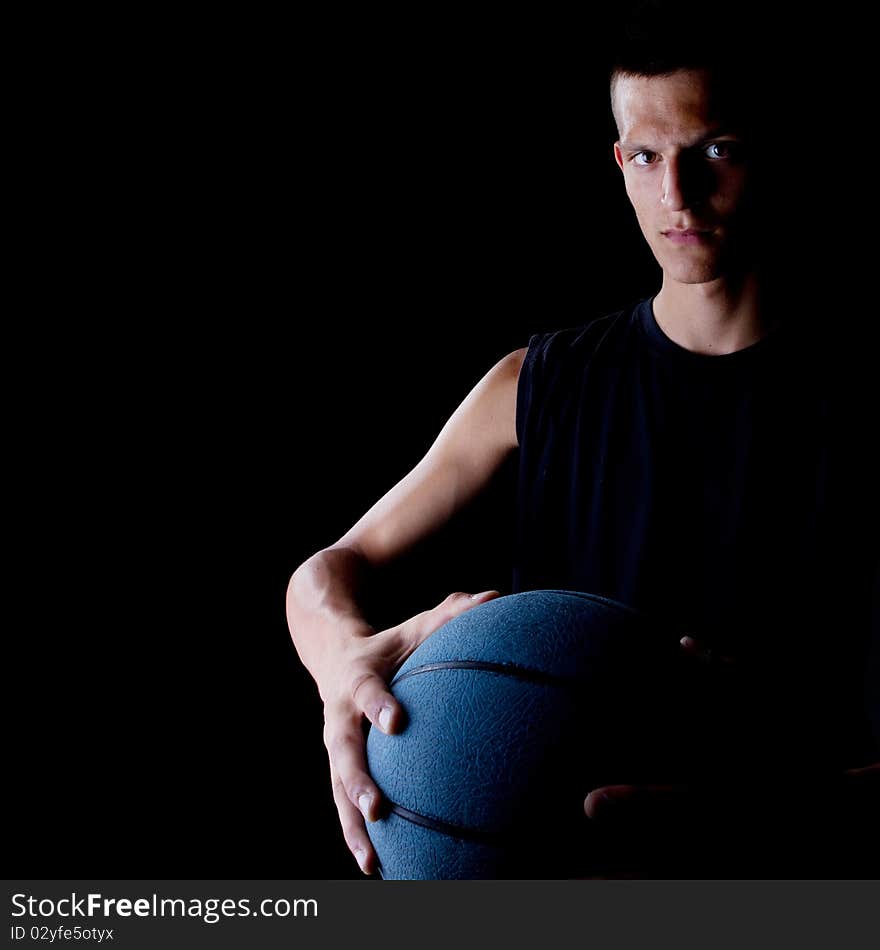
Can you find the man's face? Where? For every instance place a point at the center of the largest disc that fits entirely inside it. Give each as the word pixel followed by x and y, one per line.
pixel 685 174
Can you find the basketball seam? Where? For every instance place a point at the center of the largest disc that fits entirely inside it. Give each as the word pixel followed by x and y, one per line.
pixel 448 829
pixel 499 669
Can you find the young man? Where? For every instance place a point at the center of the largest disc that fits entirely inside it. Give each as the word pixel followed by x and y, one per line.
pixel 679 455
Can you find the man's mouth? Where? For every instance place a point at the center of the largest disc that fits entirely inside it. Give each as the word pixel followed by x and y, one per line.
pixel 688 235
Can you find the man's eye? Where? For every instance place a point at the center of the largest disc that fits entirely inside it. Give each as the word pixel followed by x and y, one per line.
pixel 720 150
pixel 644 158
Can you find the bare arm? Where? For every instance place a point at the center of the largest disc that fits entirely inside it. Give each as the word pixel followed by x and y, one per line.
pixel 349 660
pixel 323 594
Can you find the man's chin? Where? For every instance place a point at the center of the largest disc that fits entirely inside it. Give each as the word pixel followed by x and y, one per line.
pixel 701 265
pixel 694 271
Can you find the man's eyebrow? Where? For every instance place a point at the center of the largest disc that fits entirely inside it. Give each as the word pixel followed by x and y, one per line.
pixel 717 132
pixel 709 136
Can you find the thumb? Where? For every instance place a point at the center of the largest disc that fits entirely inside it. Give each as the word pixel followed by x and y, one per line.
pixel 611 801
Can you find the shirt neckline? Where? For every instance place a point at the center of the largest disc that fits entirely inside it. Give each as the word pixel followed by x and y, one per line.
pixel 722 362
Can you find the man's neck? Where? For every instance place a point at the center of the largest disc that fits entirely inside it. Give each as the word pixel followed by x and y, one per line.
pixel 713 318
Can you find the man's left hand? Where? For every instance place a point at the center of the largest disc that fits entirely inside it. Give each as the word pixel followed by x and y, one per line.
pixel 680 802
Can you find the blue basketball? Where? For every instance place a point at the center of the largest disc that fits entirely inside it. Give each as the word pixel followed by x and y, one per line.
pixel 515 709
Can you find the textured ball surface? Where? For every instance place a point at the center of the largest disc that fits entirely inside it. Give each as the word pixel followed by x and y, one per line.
pixel 515 709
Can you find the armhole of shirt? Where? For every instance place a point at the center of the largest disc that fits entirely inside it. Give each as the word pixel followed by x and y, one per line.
pixel 526 384
pixel 547 357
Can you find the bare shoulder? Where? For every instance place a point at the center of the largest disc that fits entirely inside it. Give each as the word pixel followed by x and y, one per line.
pixel 460 463
pixel 506 371
pixel 512 366
pixel 489 412
pixel 513 361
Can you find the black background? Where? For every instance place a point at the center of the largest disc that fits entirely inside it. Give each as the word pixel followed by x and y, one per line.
pixel 278 256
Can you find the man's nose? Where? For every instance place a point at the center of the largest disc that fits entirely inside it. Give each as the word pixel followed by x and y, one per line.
pixel 674 196
pixel 685 183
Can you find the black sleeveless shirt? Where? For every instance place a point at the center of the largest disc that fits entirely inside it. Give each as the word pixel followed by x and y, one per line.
pixel 728 495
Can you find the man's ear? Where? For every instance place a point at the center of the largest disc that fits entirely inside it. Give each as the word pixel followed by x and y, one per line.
pixel 618 155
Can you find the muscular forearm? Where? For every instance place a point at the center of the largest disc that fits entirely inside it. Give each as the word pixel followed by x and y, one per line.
pixel 324 607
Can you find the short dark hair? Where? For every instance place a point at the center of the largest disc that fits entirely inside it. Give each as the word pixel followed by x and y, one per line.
pixel 659 37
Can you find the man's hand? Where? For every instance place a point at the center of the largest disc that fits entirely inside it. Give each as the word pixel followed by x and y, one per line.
pixel 646 803
pixel 357 689
pixel 642 800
